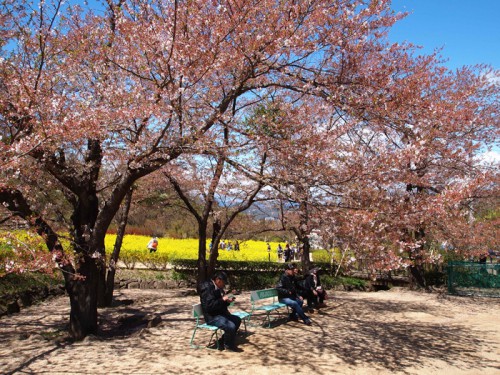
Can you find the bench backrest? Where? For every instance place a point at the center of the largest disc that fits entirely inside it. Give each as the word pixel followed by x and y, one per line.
pixel 197 311
pixel 257 295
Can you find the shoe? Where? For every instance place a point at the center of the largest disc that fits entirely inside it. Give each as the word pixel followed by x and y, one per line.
pixel 293 318
pixel 310 310
pixel 233 349
pixel 307 322
pixel 322 305
pixel 220 343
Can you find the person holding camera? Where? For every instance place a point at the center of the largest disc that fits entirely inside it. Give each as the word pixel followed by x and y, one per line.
pixel 214 303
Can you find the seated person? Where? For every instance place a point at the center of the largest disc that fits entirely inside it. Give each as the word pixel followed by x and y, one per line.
pixel 287 294
pixel 214 303
pixel 302 290
pixel 315 292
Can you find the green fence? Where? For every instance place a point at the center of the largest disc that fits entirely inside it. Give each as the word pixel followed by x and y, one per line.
pixel 474 279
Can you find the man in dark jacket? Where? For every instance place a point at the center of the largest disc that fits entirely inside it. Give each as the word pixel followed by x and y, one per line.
pixel 214 303
pixel 287 294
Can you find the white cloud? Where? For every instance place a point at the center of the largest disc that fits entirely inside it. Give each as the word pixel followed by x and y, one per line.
pixel 493 77
pixel 492 156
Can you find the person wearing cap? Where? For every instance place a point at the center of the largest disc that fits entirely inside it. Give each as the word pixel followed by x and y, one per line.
pixel 287 294
pixel 214 303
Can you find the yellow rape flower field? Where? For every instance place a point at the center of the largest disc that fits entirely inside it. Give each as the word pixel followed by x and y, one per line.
pixel 188 249
pixel 134 248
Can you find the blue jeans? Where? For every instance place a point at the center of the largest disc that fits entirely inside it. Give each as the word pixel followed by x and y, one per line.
pixel 229 324
pixel 296 305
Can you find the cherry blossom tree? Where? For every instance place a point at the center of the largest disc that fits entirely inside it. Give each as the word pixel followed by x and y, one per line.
pixel 395 180
pixel 91 102
pixel 207 200
pixel 415 179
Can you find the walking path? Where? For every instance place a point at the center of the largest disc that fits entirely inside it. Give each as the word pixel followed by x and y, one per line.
pixel 393 332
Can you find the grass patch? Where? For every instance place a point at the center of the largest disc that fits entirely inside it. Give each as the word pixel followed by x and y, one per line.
pixel 353 281
pixel 13 283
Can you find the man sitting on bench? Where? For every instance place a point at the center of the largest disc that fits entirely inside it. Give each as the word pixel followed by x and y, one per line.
pixel 214 303
pixel 287 294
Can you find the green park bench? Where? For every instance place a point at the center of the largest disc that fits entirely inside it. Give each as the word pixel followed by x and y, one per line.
pixel 244 316
pixel 198 315
pixel 266 300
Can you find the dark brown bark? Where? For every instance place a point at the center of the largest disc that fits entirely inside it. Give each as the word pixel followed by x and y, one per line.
pixel 303 234
pixel 83 300
pixel 306 250
pixel 207 269
pixel 110 279
pixel 418 276
pixel 417 271
pixel 201 263
pixel 79 283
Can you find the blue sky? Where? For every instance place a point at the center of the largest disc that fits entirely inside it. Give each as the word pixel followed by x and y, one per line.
pixel 468 30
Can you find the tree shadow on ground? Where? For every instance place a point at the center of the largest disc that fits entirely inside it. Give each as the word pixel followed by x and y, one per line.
pixel 33 359
pixel 129 317
pixel 353 332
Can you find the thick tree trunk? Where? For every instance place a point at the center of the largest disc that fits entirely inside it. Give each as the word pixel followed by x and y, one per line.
pixel 202 275
pixel 306 250
pixel 110 284
pixel 83 299
pixel 101 285
pixel 416 268
pixel 80 282
pixel 417 271
pixel 90 253
pixel 110 279
pixel 214 251
pixel 302 232
pixel 417 276
pixel 83 291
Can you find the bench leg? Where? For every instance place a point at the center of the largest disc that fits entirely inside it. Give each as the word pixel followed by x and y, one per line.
pixel 216 340
pixel 267 319
pixel 214 333
pixel 245 324
pixel 288 312
pixel 192 338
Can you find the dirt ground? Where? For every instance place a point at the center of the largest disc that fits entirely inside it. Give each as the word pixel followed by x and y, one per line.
pixel 390 332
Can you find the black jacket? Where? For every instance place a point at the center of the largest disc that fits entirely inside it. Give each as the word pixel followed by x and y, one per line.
pixel 212 302
pixel 309 282
pixel 286 286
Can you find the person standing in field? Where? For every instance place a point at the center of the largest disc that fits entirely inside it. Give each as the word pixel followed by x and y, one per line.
pixel 153 245
pixel 280 252
pixel 287 253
